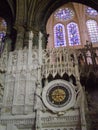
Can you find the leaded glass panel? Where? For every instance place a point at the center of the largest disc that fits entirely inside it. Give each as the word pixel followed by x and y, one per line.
pixel 92 30
pixel 73 34
pixel 64 14
pixel 91 12
pixel 59 35
pixel 3 28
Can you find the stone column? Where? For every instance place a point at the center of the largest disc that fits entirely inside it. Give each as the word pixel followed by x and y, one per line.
pixel 26 39
pixel 38 105
pixel 8 42
pixel 30 44
pixel 40 48
pixel 35 38
pixel 20 37
pixel 45 40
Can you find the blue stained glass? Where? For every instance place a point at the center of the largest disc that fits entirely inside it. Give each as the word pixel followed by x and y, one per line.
pixel 92 12
pixel 59 35
pixel 2 35
pixel 64 14
pixel 73 34
pixel 3 28
pixel 92 27
pixel 4 23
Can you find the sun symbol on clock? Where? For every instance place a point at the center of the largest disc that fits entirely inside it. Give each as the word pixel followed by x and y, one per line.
pixel 58 95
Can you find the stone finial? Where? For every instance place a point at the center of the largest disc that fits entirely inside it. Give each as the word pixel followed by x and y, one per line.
pixel 40 36
pixel 31 35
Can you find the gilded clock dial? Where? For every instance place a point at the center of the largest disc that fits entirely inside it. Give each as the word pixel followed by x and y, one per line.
pixel 58 96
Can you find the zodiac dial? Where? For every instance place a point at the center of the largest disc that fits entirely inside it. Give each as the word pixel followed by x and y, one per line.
pixel 57 96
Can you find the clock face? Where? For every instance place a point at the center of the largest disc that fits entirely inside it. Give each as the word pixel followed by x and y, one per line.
pixel 58 95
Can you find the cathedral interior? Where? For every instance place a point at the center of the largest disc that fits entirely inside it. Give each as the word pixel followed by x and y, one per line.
pixel 48 65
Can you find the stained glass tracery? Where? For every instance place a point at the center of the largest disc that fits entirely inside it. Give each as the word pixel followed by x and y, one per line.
pixel 73 34
pixel 59 35
pixel 64 14
pixel 92 30
pixel 3 28
pixel 91 12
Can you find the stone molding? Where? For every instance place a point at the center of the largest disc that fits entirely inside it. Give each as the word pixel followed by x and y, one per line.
pixel 19 121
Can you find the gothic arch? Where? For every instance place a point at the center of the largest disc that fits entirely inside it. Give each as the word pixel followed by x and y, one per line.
pixel 50 7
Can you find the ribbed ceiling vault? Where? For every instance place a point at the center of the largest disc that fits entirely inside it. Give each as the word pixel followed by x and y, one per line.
pixel 34 13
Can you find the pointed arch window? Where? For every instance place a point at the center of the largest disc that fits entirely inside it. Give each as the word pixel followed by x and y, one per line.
pixel 73 34
pixel 59 35
pixel 92 30
pixel 91 12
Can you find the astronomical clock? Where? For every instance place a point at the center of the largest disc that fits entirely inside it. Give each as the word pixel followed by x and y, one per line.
pixel 59 95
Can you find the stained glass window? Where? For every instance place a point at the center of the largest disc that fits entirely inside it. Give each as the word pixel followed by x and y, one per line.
pixel 73 34
pixel 92 30
pixel 91 12
pixel 3 28
pixel 64 14
pixel 59 35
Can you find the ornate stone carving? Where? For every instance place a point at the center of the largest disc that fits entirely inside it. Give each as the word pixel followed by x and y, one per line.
pixel 14 58
pixel 59 60
pixel 19 122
